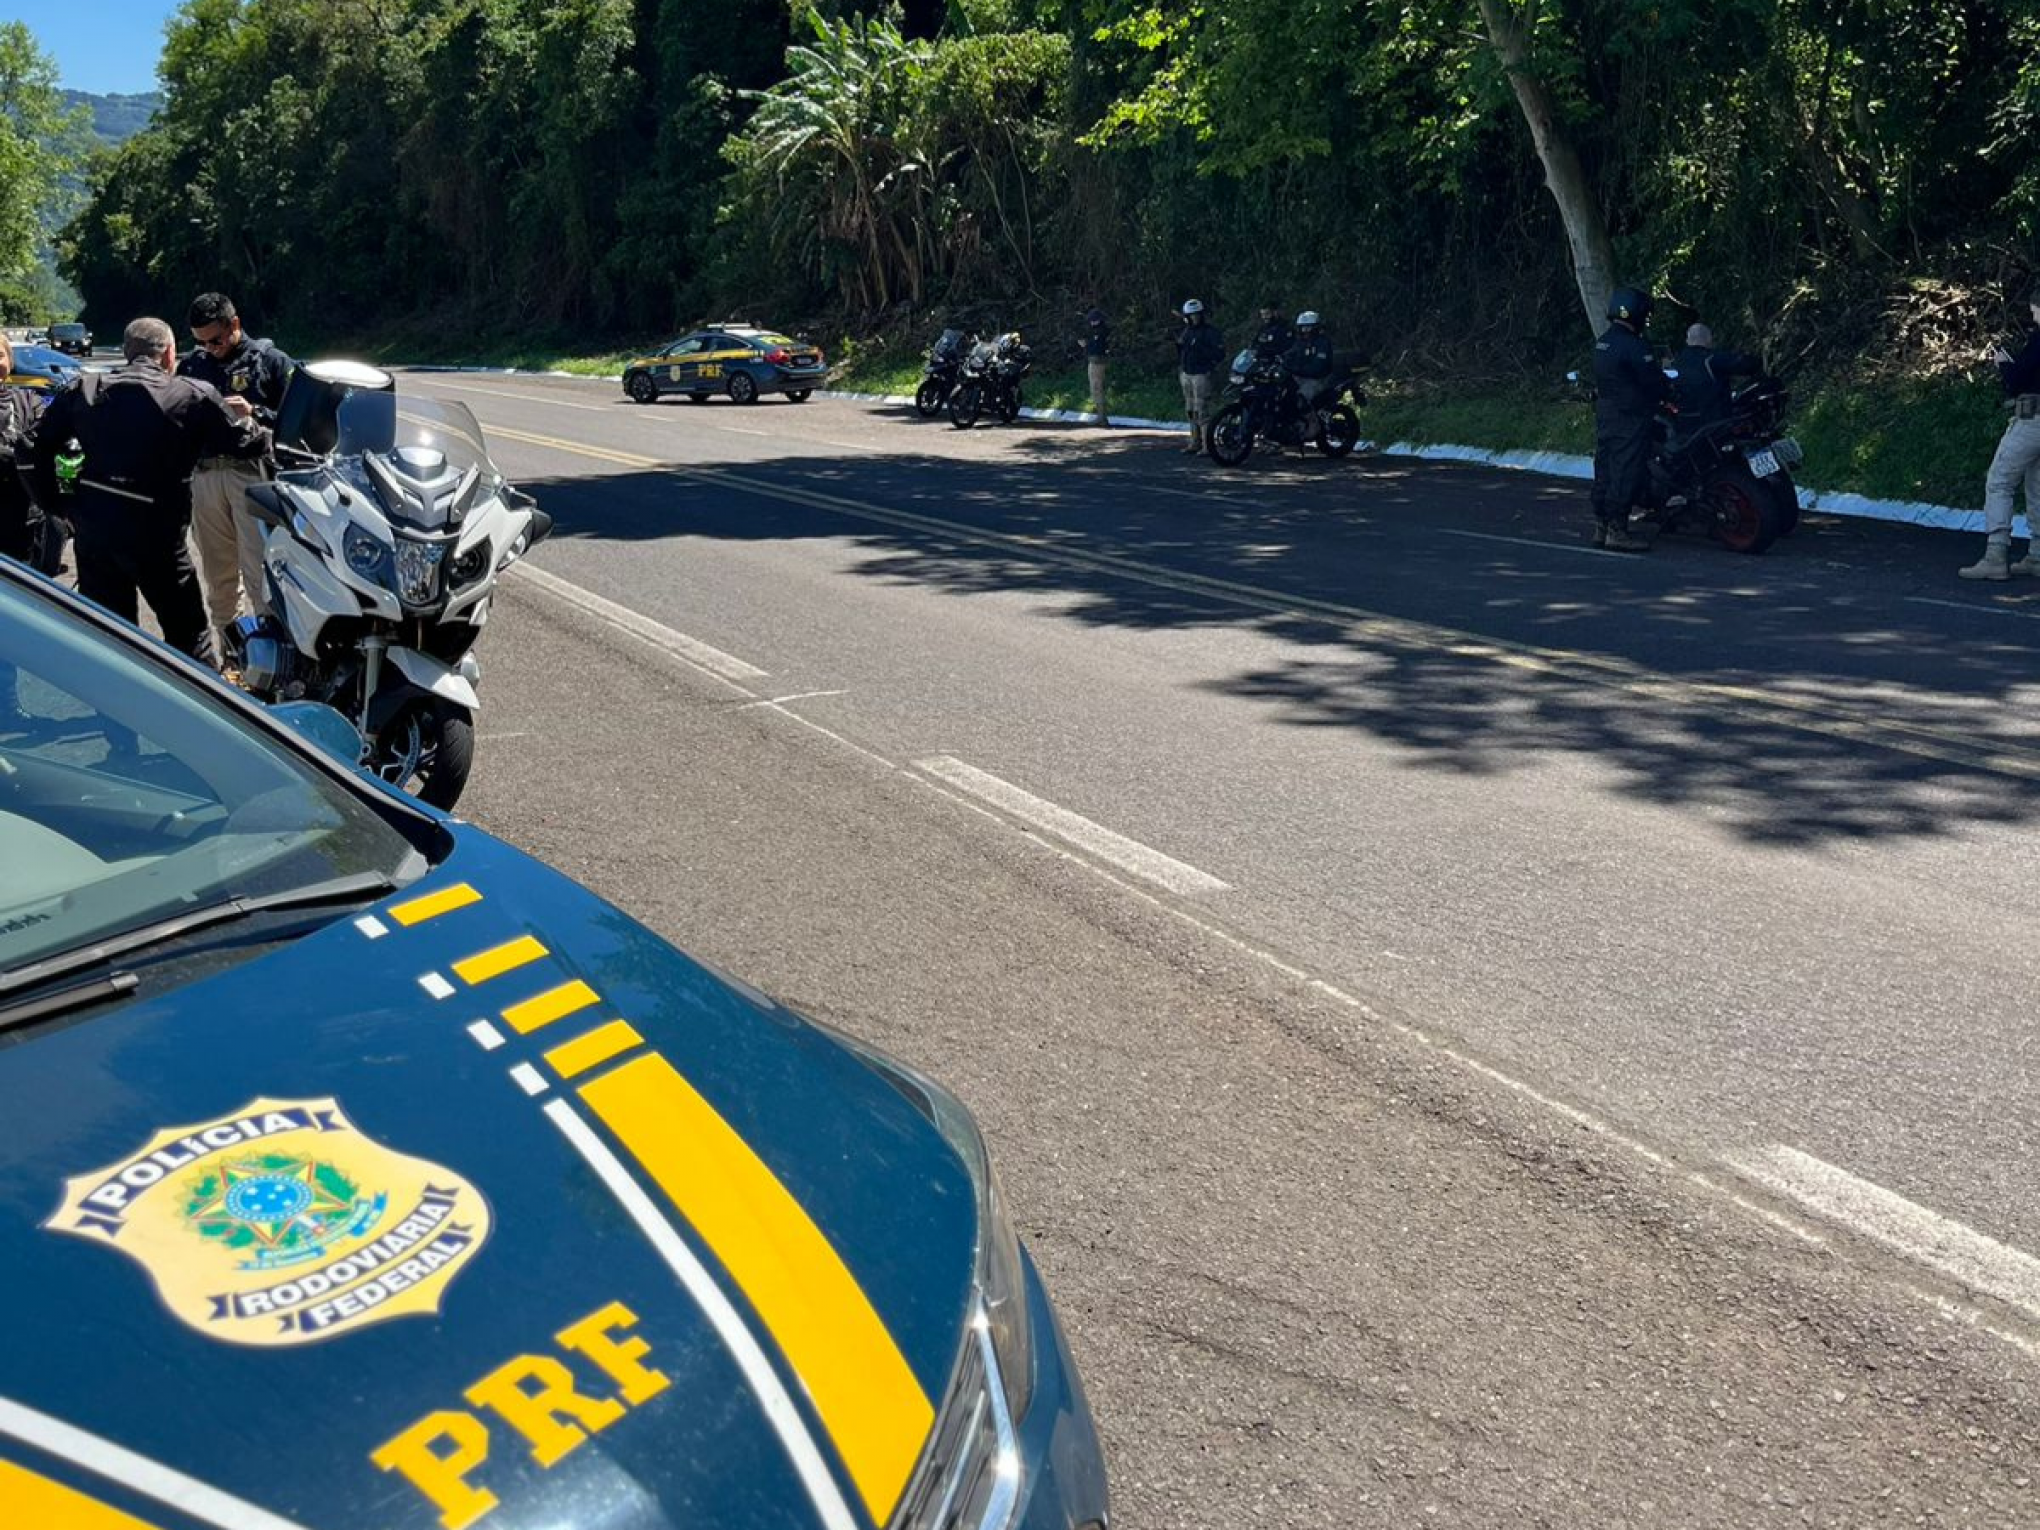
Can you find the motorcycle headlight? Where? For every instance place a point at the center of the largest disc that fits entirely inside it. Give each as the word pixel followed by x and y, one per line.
pixel 469 566
pixel 367 556
pixel 418 571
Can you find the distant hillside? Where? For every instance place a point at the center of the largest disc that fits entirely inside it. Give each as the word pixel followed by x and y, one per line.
pixel 115 118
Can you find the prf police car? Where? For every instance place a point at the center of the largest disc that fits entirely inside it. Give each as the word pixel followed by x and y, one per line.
pixel 357 1170
pixel 740 360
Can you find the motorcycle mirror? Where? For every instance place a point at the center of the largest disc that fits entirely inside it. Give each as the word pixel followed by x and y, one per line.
pixel 1672 373
pixel 1572 377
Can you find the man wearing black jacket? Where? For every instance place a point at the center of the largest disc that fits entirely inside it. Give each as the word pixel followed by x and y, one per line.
pixel 1702 378
pixel 140 431
pixel 1200 351
pixel 2016 463
pixel 1628 387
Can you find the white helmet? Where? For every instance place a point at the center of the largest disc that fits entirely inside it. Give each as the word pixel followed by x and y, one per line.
pixel 1308 319
pixel 1194 306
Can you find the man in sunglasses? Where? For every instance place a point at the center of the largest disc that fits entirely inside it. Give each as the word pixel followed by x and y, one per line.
pixel 250 374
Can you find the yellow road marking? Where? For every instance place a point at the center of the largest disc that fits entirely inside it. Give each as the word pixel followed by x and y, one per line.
pixel 576 1057
pixel 36 1502
pixel 549 1006
pixel 498 960
pixel 1999 757
pixel 861 1385
pixel 432 905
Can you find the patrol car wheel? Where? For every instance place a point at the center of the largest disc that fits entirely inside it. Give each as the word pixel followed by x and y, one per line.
pixel 799 395
pixel 743 388
pixel 639 386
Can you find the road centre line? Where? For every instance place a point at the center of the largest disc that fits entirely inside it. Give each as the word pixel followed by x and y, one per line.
pixel 524 398
pixel 2006 757
pixel 658 634
pixel 1128 855
pixel 1989 608
pixel 1960 1252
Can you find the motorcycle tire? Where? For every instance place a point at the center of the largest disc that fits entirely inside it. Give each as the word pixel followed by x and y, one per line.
pixel 642 389
pixel 1006 408
pixel 965 404
pixel 428 750
pixel 799 395
pixel 1785 493
pixel 1745 518
pixel 1229 438
pixel 1341 431
pixel 930 397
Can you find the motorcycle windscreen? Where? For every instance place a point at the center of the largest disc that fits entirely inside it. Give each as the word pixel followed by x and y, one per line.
pixel 419 427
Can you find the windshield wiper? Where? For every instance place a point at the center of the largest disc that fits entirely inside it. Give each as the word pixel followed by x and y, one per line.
pixel 358 888
pixel 77 996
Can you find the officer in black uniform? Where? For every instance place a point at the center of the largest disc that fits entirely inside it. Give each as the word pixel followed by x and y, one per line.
pixel 251 375
pixel 1309 357
pixel 1274 337
pixel 20 520
pixel 1702 387
pixel 1628 387
pixel 140 432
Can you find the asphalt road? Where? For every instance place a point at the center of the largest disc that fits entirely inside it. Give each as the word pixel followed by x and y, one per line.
pixel 1480 1032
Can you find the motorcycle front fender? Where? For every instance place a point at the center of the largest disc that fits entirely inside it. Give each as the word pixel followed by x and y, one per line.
pixel 451 683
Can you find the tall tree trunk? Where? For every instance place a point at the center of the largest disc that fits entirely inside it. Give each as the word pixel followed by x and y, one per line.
pixel 1586 231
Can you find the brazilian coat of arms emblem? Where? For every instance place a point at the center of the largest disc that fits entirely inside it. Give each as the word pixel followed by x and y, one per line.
pixel 282 1223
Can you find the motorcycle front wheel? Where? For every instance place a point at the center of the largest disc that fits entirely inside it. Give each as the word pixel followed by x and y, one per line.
pixel 964 406
pixel 929 398
pixel 1341 431
pixel 1007 407
pixel 428 749
pixel 1230 436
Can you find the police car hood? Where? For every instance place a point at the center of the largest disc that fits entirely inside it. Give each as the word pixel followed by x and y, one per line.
pixel 483 1206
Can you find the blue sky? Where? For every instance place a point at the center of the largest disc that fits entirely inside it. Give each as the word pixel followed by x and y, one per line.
pixel 109 47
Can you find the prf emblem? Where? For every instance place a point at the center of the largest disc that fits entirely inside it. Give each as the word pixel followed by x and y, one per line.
pixel 281 1223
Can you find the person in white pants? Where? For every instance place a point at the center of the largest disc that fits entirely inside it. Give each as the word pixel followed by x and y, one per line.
pixel 2016 463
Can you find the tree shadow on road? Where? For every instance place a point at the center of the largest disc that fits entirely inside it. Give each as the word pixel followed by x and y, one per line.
pixel 1812 695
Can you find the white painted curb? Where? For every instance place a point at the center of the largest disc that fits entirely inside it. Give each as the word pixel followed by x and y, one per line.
pixel 1551 464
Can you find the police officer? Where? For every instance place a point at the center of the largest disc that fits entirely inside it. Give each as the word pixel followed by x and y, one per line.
pixel 1200 351
pixel 1097 351
pixel 1700 391
pixel 20 520
pixel 250 375
pixel 1272 340
pixel 2016 462
pixel 140 432
pixel 1628 387
pixel 1309 357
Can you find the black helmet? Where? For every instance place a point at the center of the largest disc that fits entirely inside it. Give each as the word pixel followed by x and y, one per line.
pixel 1630 304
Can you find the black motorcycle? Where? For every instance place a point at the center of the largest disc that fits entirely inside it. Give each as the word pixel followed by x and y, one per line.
pixel 990 382
pixel 939 375
pixel 1263 404
pixel 1734 477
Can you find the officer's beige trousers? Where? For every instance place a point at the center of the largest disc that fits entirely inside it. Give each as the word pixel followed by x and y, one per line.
pixel 2017 463
pixel 229 538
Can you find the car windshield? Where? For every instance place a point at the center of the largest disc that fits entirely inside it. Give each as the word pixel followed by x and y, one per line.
pixel 129 795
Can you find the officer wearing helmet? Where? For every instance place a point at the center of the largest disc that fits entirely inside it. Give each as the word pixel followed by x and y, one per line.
pixel 1629 386
pixel 1200 352
pixel 1309 357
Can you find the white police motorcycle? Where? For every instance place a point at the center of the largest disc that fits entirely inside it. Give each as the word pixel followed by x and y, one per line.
pixel 386 531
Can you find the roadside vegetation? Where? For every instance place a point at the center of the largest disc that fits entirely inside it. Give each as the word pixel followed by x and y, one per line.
pixel 1455 183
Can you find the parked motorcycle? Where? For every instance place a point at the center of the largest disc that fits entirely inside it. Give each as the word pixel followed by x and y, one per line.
pixel 990 381
pixel 1734 477
pixel 386 534
pixel 1263 404
pixel 944 366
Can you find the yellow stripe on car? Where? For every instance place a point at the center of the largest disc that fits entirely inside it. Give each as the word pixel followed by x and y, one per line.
pixel 498 960
pixel 573 1058
pixel 553 1004
pixel 432 905
pixel 35 1502
pixel 867 1395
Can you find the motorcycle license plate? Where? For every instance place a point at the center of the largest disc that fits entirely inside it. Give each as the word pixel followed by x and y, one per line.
pixel 1764 463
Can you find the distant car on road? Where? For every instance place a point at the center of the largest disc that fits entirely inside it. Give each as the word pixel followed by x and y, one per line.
pixel 45 370
pixel 72 339
pixel 740 360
